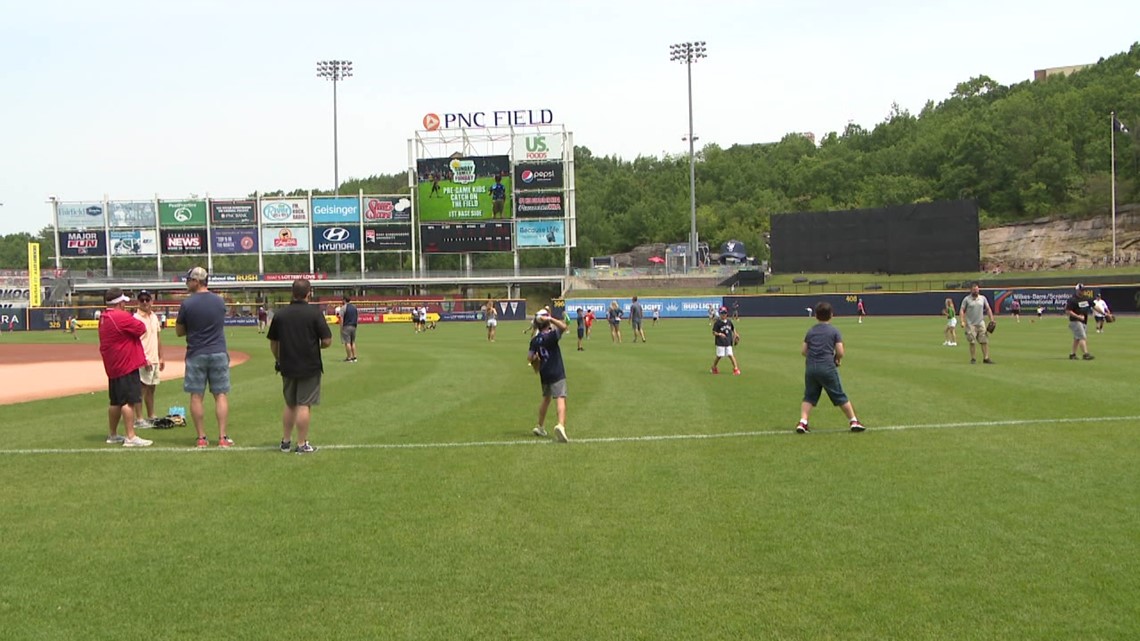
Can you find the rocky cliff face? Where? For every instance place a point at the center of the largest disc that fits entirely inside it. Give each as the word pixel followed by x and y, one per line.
pixel 1063 243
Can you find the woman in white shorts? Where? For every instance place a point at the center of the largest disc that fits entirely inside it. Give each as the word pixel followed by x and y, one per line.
pixel 492 320
pixel 951 324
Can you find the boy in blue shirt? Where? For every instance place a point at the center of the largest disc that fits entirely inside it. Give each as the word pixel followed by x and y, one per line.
pixel 546 358
pixel 823 350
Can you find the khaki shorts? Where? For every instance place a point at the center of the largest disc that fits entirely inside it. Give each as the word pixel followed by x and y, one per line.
pixel 302 391
pixel 148 374
pixel 977 334
pixel 1079 330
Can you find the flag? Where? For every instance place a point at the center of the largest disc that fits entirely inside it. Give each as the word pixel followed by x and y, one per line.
pixel 1118 126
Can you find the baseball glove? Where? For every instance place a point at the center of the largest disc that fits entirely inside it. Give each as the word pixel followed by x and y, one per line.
pixel 991 327
pixel 736 339
pixel 1109 318
pixel 163 423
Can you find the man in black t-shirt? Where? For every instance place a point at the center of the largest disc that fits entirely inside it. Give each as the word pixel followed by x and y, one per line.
pixel 297 335
pixel 1078 309
pixel 725 336
pixel 349 318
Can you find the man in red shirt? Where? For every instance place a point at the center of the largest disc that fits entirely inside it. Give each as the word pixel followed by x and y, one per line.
pixel 120 345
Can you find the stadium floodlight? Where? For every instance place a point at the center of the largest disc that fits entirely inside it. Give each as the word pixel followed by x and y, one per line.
pixel 335 70
pixel 687 53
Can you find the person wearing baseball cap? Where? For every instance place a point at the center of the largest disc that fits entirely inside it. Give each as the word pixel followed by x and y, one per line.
pixel 724 337
pixel 152 348
pixel 546 357
pixel 202 320
pixel 1077 308
pixel 121 347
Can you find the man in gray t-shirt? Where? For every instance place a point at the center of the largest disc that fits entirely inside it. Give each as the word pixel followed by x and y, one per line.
pixel 973 311
pixel 823 350
pixel 202 320
pixel 636 315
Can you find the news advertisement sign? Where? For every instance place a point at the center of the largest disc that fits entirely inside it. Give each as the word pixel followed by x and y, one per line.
pixel 184 241
pixel 462 189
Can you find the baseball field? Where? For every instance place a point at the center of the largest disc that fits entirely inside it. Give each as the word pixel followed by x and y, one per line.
pixel 983 502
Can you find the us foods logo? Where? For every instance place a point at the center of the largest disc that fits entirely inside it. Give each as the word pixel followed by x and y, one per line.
pixel 336 234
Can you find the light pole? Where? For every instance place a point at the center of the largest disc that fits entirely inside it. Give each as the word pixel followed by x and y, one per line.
pixel 335 70
pixel 687 53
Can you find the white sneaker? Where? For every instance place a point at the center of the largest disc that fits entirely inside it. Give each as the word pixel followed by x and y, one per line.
pixel 115 439
pixel 539 431
pixel 142 424
pixel 560 434
pixel 137 441
pixel 945 343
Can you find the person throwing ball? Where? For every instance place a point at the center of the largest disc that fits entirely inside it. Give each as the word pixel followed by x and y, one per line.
pixel 822 350
pixel 545 357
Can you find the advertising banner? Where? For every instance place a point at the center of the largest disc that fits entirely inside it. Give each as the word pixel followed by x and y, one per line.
pixel 538 176
pixel 284 212
pixel 182 213
pixel 280 240
pixel 690 307
pixel 336 210
pixel 444 238
pixel 458 189
pixel 135 242
pixel 35 295
pixel 388 238
pixel 387 209
pixel 538 147
pixel 542 233
pixel 539 204
pixel 82 243
pixel 336 239
pixel 131 213
pixel 188 241
pixel 233 212
pixel 85 215
pixel 242 240
pixel 1053 300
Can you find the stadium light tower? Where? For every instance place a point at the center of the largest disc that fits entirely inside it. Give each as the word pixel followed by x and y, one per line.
pixel 335 70
pixel 687 53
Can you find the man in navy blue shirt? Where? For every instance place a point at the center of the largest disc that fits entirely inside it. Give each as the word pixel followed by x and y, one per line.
pixel 202 320
pixel 546 358
pixel 498 197
pixel 822 351
pixel 349 318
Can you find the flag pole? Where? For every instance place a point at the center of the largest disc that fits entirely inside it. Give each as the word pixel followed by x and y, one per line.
pixel 1112 127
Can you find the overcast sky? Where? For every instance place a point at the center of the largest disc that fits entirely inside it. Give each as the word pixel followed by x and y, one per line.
pixel 136 98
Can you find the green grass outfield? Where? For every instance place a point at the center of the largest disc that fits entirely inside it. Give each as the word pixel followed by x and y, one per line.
pixel 983 502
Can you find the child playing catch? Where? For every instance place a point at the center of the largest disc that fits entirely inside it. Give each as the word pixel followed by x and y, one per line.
pixel 823 350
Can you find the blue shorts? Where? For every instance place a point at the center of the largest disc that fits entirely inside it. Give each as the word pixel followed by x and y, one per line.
pixel 581 332
pixel 818 378
pixel 207 368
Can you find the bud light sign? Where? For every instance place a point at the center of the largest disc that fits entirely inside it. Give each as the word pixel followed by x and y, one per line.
pixel 538 176
pixel 336 239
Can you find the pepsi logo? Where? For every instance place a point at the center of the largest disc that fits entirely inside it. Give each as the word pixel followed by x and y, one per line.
pixel 527 176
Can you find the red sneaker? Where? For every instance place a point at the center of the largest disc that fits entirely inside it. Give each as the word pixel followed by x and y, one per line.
pixel 202 442
pixel 714 371
pixel 802 427
pixel 225 441
pixel 736 372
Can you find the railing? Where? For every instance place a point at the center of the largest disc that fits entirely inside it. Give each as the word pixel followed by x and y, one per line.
pixel 124 276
